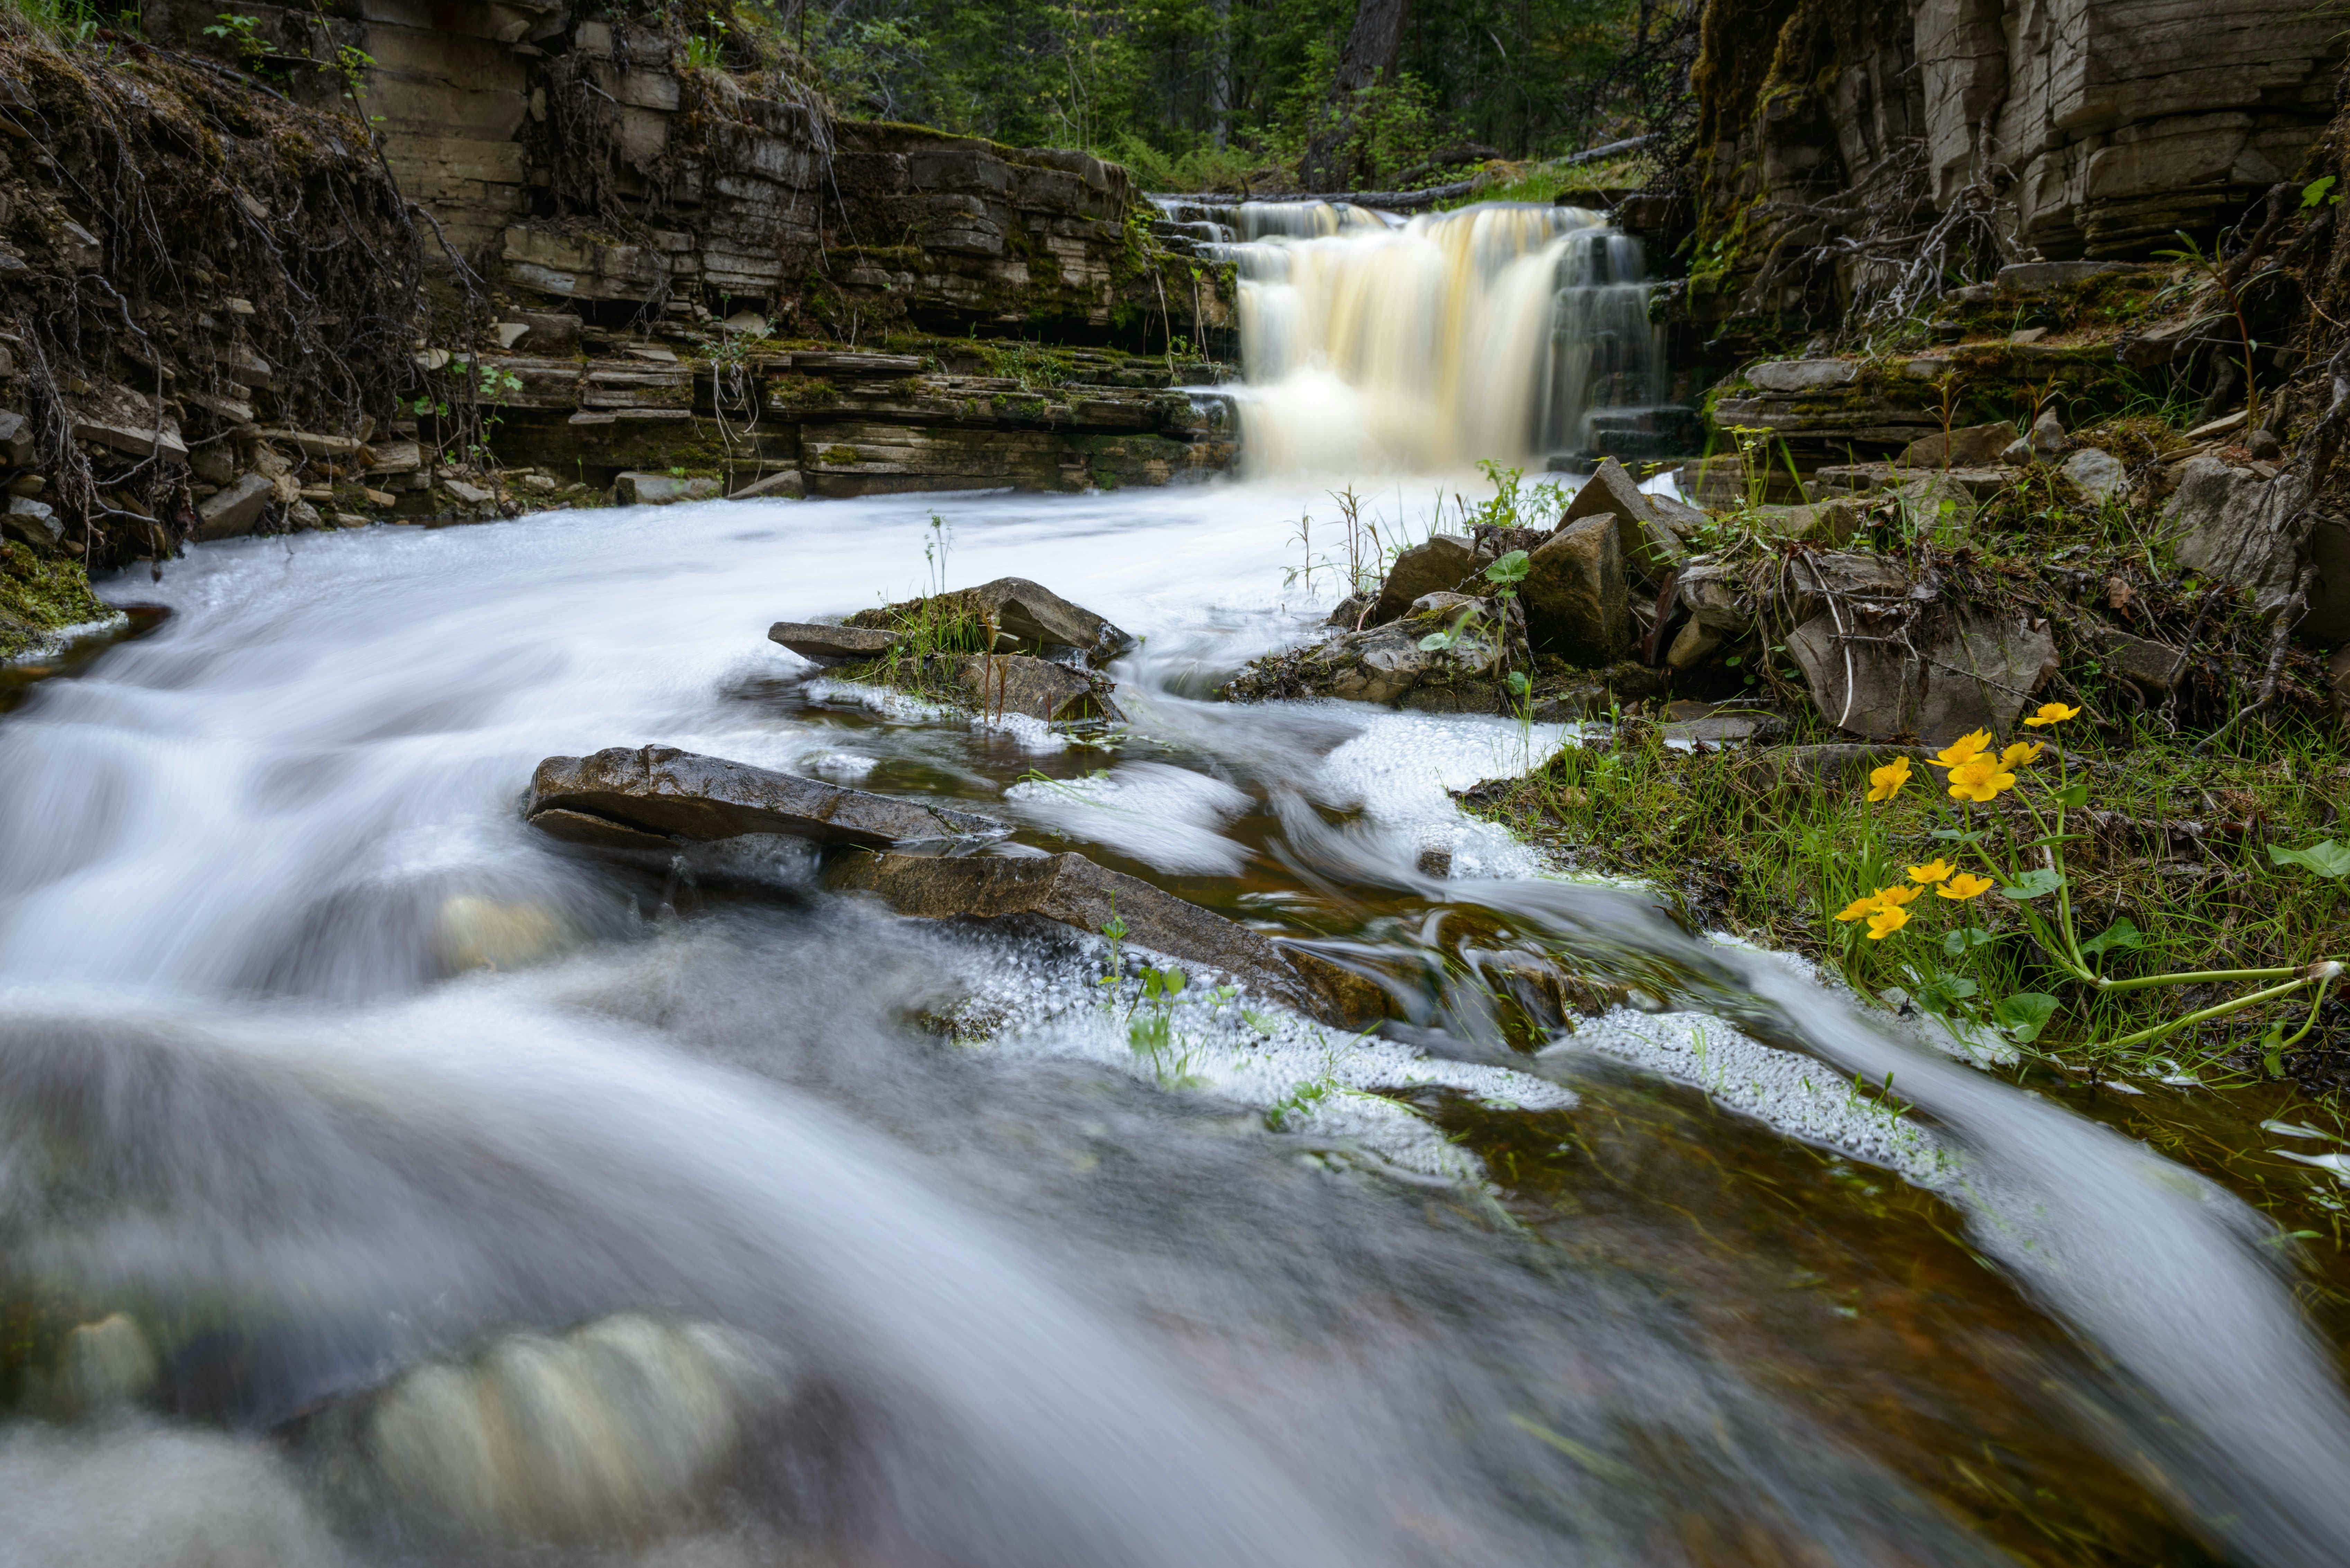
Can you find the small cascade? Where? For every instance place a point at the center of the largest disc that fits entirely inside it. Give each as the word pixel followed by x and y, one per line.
pixel 1508 330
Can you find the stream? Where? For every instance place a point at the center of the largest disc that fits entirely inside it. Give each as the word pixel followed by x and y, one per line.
pixel 382 1183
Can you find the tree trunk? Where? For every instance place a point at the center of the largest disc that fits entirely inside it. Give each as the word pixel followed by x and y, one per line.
pixel 1369 55
pixel 1220 73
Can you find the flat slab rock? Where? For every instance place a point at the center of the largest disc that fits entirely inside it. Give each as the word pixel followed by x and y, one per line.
pixel 1074 891
pixel 831 644
pixel 654 796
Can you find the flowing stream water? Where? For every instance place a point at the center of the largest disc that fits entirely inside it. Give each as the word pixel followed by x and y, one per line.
pixel 382 1183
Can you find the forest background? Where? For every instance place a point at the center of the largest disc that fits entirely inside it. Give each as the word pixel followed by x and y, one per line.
pixel 1260 96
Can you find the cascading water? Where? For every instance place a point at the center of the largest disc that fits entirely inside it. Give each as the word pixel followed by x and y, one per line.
pixel 382 1183
pixel 1503 331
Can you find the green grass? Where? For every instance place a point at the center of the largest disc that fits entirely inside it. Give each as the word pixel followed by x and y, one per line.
pixel 1544 181
pixel 1772 857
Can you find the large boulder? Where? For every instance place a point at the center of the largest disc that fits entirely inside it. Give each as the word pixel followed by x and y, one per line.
pixel 1439 564
pixel 656 796
pixel 1974 671
pixel 1576 600
pixel 1649 529
pixel 2240 526
pixel 1074 891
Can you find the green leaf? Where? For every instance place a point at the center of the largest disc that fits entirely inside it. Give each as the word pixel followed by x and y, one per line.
pixel 2323 858
pixel 2033 885
pixel 1957 835
pixel 2025 1013
pixel 1510 568
pixel 1519 684
pixel 2073 795
pixel 1955 943
pixel 2314 192
pixel 2120 934
pixel 1434 641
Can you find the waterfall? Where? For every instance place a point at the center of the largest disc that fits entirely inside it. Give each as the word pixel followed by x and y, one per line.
pixel 1507 330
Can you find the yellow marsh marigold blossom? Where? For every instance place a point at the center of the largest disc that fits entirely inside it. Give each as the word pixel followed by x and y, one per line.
pixel 1965 884
pixel 1860 908
pixel 2021 754
pixel 1933 871
pixel 1962 751
pixel 1885 783
pixel 1980 781
pixel 2052 713
pixel 1887 921
pixel 1893 898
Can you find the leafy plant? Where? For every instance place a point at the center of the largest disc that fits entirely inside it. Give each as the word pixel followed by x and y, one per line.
pixel 2042 896
pixel 242 34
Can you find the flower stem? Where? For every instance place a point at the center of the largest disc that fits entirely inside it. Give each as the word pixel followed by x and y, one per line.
pixel 2206 1014
pixel 2185 978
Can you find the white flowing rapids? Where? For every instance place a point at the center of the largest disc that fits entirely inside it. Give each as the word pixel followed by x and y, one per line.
pixel 381 1183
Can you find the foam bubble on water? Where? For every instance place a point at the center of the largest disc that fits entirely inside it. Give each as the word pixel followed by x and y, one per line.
pixel 1402 768
pixel 896 706
pixel 1026 731
pixel 1158 813
pixel 844 767
pixel 160 1498
pixel 1047 999
pixel 1799 1095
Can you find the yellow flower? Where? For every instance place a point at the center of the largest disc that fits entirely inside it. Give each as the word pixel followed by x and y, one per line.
pixel 2052 713
pixel 1933 871
pixel 1962 751
pixel 1885 783
pixel 1887 921
pixel 1980 781
pixel 1894 897
pixel 1965 884
pixel 1859 908
pixel 2020 755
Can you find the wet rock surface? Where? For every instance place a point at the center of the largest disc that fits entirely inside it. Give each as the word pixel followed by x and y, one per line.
pixel 1074 891
pixel 831 644
pixel 1576 599
pixel 1015 615
pixel 623 798
pixel 1440 564
pixel 998 684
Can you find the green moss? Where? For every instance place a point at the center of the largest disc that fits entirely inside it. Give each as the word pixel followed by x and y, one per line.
pixel 40 595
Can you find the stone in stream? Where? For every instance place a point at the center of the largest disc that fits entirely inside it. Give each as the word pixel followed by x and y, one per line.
pixel 1074 891
pixel 1015 615
pixel 1019 683
pixel 831 644
pixel 655 796
pixel 1576 596
pixel 1437 565
pixel 1385 664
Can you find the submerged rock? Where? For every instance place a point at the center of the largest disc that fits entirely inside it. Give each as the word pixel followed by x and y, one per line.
pixel 1074 891
pixel 655 796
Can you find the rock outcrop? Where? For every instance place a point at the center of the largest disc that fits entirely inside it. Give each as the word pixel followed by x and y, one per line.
pixel 656 796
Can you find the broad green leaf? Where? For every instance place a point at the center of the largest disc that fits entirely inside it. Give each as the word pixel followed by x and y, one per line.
pixel 2073 795
pixel 1434 641
pixel 2324 858
pixel 2311 195
pixel 1957 943
pixel 2120 934
pixel 2033 885
pixel 1519 684
pixel 2025 1013
pixel 1510 568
